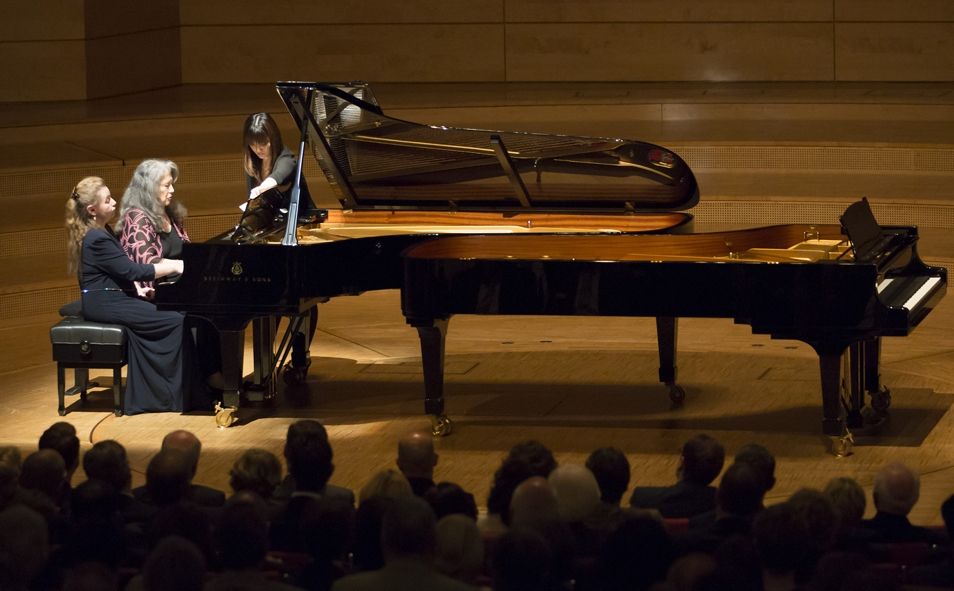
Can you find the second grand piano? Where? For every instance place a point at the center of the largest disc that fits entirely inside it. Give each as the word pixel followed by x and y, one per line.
pixel 838 287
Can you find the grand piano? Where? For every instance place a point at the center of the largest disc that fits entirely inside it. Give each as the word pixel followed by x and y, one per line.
pixel 838 287
pixel 401 183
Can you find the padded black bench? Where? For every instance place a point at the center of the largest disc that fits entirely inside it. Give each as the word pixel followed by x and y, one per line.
pixel 83 345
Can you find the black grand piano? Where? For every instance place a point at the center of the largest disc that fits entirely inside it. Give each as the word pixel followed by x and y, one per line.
pixel 398 184
pixel 838 287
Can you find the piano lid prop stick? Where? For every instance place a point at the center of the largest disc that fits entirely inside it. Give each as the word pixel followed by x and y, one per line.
pixel 291 236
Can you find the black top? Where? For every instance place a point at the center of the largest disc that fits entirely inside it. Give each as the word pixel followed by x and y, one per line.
pixel 283 172
pixel 106 267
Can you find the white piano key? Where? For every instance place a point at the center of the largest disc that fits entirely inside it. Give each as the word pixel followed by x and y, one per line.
pixel 884 283
pixel 922 293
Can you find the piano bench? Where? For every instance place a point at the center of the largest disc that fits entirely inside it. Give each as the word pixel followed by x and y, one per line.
pixel 80 345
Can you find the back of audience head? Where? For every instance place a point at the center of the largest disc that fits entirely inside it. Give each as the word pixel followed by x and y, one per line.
pixel 947 514
pixel 818 516
pixel 511 473
pixel 612 471
pixel 168 476
pixel 385 483
pixel 408 530
pixel 740 491
pixel 460 550
pixel 367 533
pixel 107 461
pixel 537 456
pixel 848 498
pixel 896 489
pixel 61 437
pixel 761 460
pixel 416 457
pixel 257 470
pixel 309 455
pixel 10 465
pixel 189 571
pixel 185 442
pixel 576 490
pixel 533 503
pixel 89 576
pixel 636 554
pixel 241 537
pixel 447 498
pixel 185 520
pixel 24 546
pixel 522 561
pixel 702 459
pixel 327 527
pixel 44 471
pixel 781 539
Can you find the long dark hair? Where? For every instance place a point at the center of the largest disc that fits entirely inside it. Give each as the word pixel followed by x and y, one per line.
pixel 260 128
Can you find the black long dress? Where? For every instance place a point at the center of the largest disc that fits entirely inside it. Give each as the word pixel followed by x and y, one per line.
pixel 158 376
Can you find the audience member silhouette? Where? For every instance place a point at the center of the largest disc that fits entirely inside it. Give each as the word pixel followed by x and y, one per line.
pixel 188 444
pixel 447 498
pixel 416 459
pixel 940 574
pixel 460 550
pixel 368 554
pixel 309 457
pixel 522 561
pixel 187 575
pixel 309 460
pixel 700 462
pixel 10 465
pixel 782 543
pixel 636 555
pixel 385 483
pixel 61 437
pixel 738 499
pixel 257 470
pixel 408 539
pixel 327 528
pixel 24 547
pixel 611 470
pixel 241 542
pixel 896 491
pixel 107 461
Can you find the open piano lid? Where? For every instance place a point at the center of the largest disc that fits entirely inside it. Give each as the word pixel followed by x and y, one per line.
pixel 374 161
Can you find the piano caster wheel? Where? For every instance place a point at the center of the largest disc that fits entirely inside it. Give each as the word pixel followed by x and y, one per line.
pixel 225 416
pixel 677 395
pixel 841 446
pixel 293 374
pixel 441 426
pixel 881 400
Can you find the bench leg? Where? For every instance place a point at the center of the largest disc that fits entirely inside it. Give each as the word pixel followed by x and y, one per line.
pixel 61 389
pixel 81 382
pixel 117 391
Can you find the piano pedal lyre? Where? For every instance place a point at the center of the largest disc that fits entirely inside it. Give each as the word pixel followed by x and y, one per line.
pixel 441 425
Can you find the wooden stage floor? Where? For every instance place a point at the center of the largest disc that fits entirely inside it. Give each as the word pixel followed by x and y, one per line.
pixel 573 383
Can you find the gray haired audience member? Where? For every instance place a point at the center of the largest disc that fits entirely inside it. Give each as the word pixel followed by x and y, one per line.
pixel 460 550
pixel 576 490
pixel 896 491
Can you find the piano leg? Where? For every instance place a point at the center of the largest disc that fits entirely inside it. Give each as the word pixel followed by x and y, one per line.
pixel 666 342
pixel 432 334
pixel 880 395
pixel 855 374
pixel 233 352
pixel 833 407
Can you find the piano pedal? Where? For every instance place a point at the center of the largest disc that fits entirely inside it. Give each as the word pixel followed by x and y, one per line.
pixel 225 416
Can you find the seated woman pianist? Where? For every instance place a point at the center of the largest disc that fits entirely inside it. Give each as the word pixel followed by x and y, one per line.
pixel 160 375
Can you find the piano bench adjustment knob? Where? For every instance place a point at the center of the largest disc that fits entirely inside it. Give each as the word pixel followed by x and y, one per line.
pixel 441 425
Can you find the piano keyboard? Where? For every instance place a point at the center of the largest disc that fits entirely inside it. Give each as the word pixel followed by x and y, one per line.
pixel 910 290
